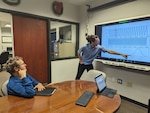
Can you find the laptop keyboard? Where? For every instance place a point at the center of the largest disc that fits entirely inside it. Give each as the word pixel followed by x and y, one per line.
pixel 106 91
pixel 84 99
pixel 109 92
pixel 45 92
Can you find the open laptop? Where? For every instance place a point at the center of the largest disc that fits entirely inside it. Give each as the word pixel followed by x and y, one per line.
pixel 102 87
pixel 48 91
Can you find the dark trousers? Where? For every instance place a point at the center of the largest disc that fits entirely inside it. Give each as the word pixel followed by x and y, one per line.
pixel 81 69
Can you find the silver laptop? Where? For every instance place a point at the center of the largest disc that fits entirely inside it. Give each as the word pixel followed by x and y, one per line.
pixel 102 87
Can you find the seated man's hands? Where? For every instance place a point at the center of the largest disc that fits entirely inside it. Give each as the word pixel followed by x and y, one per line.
pixel 39 86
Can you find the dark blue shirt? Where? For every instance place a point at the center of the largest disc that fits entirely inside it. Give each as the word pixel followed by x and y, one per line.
pixel 21 87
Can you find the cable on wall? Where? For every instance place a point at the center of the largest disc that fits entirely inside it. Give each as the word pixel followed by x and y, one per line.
pixel 87 21
pixel 89 15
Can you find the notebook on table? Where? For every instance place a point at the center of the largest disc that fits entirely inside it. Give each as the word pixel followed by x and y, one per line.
pixel 48 91
pixel 102 87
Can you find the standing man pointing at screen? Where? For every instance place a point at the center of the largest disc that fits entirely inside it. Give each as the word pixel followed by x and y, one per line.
pixel 88 52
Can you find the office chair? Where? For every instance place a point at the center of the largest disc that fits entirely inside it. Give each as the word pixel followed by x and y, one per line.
pixel 4 88
pixel 4 75
pixel 3 58
pixel 92 74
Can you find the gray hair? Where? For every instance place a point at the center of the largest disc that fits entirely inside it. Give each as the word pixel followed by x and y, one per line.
pixel 11 63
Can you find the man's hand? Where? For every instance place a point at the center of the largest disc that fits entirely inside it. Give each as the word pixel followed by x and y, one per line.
pixel 22 73
pixel 125 56
pixel 80 62
pixel 39 86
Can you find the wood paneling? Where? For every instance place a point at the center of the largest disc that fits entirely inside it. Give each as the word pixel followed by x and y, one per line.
pixel 30 42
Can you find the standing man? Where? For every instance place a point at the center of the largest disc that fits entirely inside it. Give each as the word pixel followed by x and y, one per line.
pixel 88 52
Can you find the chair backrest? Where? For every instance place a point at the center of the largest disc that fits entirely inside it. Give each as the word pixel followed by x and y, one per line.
pixel 92 74
pixel 4 88
pixel 3 77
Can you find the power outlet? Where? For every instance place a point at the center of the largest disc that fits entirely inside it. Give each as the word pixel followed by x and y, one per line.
pixel 119 81
pixel 129 84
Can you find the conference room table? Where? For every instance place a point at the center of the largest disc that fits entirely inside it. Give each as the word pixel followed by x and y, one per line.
pixel 62 101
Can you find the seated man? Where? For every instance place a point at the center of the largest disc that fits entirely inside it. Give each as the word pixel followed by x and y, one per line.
pixel 20 83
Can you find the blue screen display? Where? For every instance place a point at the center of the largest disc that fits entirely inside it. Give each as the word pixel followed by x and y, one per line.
pixel 130 37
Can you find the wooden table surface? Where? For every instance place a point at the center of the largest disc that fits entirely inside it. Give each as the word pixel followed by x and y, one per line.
pixel 62 101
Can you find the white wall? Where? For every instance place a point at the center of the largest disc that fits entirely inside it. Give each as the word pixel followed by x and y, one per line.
pixel 64 70
pixel 139 80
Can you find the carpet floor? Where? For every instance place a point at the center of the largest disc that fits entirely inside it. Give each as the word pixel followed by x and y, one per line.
pixel 130 107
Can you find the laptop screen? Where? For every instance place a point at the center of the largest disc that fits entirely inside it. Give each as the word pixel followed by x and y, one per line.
pixel 100 82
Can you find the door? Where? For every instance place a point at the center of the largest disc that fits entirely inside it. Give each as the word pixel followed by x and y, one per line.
pixel 30 42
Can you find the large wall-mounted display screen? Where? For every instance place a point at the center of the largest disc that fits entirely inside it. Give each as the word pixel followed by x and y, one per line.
pixel 130 37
